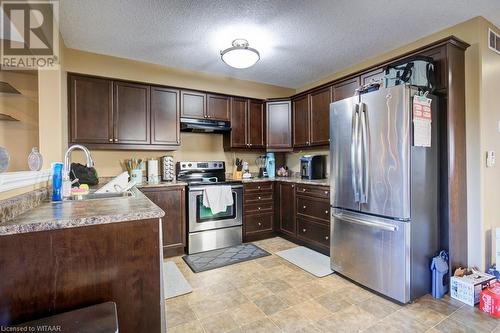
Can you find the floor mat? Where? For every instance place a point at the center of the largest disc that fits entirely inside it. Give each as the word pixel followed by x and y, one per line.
pixel 204 261
pixel 174 283
pixel 311 261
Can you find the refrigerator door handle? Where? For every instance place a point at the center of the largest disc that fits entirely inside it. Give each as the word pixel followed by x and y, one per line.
pixel 377 225
pixel 365 162
pixel 354 151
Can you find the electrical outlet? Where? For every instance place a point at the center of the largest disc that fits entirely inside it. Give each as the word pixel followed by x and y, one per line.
pixel 490 159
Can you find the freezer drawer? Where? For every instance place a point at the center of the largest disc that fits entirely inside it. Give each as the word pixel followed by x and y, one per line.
pixel 372 251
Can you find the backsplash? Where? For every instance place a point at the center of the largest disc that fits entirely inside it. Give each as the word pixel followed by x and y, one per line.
pixel 293 162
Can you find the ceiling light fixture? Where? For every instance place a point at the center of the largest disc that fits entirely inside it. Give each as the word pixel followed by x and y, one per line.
pixel 240 55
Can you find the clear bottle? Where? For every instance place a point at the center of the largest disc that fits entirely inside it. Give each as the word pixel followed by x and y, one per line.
pixel 35 160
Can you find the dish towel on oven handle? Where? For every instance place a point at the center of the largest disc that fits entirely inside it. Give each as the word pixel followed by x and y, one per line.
pixel 218 198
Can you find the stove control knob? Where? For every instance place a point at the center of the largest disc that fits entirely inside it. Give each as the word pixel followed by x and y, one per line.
pixel 183 165
pixel 189 164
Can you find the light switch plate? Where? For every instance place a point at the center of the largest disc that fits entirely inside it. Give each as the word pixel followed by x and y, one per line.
pixel 490 159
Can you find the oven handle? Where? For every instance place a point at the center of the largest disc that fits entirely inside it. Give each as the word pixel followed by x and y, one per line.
pixel 200 188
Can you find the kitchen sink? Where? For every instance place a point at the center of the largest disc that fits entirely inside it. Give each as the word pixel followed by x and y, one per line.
pixel 97 196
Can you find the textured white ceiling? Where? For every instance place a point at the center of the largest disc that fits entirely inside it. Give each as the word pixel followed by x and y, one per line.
pixel 299 41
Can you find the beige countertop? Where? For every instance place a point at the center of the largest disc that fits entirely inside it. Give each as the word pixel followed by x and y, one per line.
pixel 70 214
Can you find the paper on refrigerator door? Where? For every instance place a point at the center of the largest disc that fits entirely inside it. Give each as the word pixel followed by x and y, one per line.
pixel 422 121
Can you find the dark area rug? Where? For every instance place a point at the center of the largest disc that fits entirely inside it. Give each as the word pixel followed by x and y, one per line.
pixel 204 261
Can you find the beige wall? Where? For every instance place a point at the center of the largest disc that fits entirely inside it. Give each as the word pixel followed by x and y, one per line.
pixel 490 137
pixel 19 137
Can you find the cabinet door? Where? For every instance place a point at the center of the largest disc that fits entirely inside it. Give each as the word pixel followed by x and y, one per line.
pixel 193 104
pixel 165 114
pixel 320 116
pixel 279 125
pixel 376 75
pixel 218 107
pixel 90 109
pixel 255 124
pixel 301 122
pixel 345 89
pixel 131 114
pixel 172 201
pixel 287 208
pixel 238 122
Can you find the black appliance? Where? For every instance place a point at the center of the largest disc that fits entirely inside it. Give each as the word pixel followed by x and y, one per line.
pixel 204 125
pixel 313 167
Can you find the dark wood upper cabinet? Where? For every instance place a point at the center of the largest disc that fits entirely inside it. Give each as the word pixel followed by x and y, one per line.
pixel 165 114
pixel 256 124
pixel 320 116
pixel 218 107
pixel 345 88
pixel 172 201
pixel 131 113
pixel 286 194
pixel 238 134
pixel 377 75
pixel 193 104
pixel 301 120
pixel 90 109
pixel 279 125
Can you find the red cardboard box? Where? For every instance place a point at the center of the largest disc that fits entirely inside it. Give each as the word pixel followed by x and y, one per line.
pixel 489 300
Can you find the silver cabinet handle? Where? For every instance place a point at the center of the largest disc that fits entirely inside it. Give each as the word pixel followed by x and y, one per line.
pixel 258 187
pixel 326 212
pixel 260 224
pixel 110 140
pixel 326 192
pixel 304 230
pixel 377 225
pixel 293 186
pixel 304 207
pixel 259 198
pixel 258 208
pixel 303 190
pixel 116 140
pixel 326 237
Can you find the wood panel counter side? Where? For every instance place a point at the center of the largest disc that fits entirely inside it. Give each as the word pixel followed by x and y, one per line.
pixel 50 272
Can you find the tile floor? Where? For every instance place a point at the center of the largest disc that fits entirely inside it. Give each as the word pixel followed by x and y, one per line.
pixel 271 295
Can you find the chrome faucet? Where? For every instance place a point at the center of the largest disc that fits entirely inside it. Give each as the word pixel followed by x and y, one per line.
pixel 67 167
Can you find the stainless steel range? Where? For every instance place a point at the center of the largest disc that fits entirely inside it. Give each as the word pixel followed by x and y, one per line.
pixel 208 231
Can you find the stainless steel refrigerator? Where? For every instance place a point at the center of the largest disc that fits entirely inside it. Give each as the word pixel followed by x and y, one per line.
pixel 385 193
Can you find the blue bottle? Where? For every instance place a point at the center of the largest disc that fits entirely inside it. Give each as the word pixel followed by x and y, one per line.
pixel 270 165
pixel 57 181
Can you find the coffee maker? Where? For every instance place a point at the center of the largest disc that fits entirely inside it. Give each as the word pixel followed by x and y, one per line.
pixel 313 167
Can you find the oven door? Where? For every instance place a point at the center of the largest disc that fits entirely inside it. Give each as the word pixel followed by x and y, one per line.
pixel 201 217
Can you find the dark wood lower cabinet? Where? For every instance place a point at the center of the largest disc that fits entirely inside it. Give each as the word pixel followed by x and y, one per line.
pixel 302 213
pixel 50 272
pixel 286 197
pixel 172 201
pixel 258 211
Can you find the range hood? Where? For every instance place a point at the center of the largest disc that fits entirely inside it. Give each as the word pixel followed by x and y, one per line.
pixel 204 125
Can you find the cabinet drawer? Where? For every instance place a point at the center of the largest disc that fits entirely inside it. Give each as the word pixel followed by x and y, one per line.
pixel 259 197
pixel 314 233
pixel 258 223
pixel 258 187
pixel 314 208
pixel 259 208
pixel 314 190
